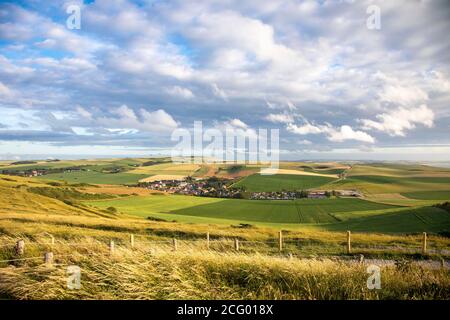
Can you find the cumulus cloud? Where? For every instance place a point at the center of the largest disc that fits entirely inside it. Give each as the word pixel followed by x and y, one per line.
pixel 347 133
pixel 400 120
pixel 180 92
pixel 151 121
pixel 237 124
pixel 280 118
pixel 341 134
pixel 306 128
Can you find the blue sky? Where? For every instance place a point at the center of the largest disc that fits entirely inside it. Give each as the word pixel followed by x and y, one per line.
pixel 137 70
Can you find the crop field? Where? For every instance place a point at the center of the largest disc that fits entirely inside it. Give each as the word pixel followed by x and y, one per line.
pixel 95 177
pixel 252 211
pixel 279 182
pixel 428 195
pixel 407 221
pixel 167 169
pixel 376 184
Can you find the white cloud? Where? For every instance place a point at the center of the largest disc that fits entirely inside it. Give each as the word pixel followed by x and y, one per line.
pixel 83 112
pixel 306 128
pixel 400 120
pixel 237 127
pixel 341 134
pixel 5 91
pixel 219 92
pixel 347 133
pixel 280 118
pixel 180 92
pixel 149 121
pixel 237 124
pixel 304 142
pixel 398 94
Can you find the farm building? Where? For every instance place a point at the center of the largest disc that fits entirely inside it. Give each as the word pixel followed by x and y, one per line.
pixel 317 195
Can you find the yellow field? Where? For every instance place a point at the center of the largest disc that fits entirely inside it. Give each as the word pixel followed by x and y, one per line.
pixel 183 169
pixel 159 177
pixel 297 172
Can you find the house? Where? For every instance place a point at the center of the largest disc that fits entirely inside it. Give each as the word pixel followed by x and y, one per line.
pixel 349 193
pixel 317 195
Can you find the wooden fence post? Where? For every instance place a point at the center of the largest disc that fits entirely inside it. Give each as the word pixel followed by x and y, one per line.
pixel 280 240
pixel 132 240
pixel 20 247
pixel 207 240
pixel 236 244
pixel 349 244
pixel 111 247
pixel 424 244
pixel 175 246
pixel 48 258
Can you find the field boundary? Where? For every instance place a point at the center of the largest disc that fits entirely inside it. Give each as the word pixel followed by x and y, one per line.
pixel 279 246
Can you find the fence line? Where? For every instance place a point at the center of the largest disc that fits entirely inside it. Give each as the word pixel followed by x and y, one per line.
pixel 234 243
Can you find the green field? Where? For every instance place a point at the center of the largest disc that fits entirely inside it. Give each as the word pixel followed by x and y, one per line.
pixel 390 184
pixel 267 211
pixel 325 214
pixel 401 180
pixel 407 221
pixel 95 177
pixel 428 195
pixel 279 182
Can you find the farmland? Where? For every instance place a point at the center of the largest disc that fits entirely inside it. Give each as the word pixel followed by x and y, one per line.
pixel 428 195
pixel 84 218
pixel 275 211
pixel 95 177
pixel 279 182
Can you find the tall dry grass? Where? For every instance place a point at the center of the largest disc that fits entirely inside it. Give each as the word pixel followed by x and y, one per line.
pixel 155 271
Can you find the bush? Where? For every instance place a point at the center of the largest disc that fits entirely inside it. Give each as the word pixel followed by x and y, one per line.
pixel 111 209
pixel 156 219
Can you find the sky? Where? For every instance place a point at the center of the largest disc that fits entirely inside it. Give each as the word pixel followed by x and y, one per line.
pixel 135 71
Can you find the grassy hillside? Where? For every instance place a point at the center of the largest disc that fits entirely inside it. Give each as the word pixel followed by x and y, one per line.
pixel 279 182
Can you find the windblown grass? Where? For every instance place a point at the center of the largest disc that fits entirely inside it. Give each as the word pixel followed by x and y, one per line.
pixel 160 273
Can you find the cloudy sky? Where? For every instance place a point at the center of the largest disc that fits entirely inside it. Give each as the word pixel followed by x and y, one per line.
pixel 137 70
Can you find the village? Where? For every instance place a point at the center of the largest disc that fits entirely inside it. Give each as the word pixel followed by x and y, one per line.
pixel 223 188
pixel 211 187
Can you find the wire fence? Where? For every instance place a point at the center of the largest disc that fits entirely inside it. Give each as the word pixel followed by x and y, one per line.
pixel 49 251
